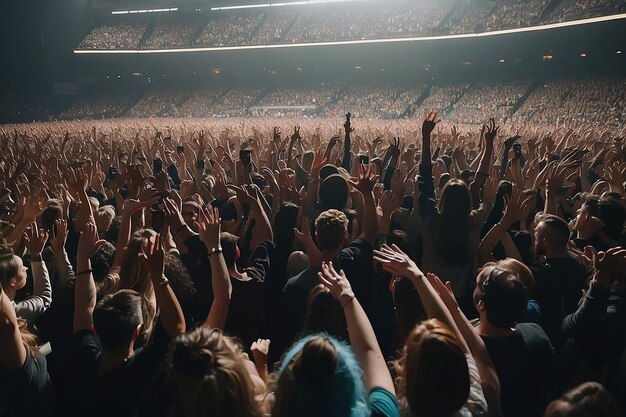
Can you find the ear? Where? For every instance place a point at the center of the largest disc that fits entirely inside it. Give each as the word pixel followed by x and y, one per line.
pixel 237 253
pixel 137 332
pixel 13 281
pixel 346 240
pixel 480 306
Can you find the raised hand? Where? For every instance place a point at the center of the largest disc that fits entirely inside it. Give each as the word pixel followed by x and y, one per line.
pixel 59 236
pixel 209 227
pixel 444 291
pixel 491 130
pixel 389 203
pixel 365 181
pixel 429 123
pixel 88 244
pixel 396 262
pixel 608 265
pixel 35 239
pixel 337 283
pixel 260 349
pixel 154 257
pixel 303 237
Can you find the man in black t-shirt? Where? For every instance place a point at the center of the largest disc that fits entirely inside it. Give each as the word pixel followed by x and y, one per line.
pixel 107 372
pixel 521 353
pixel 559 278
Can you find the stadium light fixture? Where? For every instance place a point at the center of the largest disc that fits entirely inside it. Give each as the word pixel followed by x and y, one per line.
pixel 547 57
pixel 619 52
pixel 501 60
pixel 282 4
pixel 583 55
pixel 170 9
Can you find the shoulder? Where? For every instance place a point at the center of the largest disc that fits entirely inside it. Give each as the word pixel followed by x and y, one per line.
pixel 383 403
pixel 534 337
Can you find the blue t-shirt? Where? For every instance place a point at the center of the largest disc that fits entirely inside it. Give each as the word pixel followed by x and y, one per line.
pixel 383 403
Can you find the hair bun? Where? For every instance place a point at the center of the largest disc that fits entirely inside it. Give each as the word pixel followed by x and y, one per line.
pixel 192 360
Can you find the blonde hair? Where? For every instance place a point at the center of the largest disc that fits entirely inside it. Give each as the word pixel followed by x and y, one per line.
pixel 211 377
pixel 104 218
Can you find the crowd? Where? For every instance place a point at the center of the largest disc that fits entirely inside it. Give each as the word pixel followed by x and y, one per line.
pixel 156 103
pixel 229 30
pixel 347 22
pixel 119 35
pixel 597 102
pixel 497 100
pixel 328 267
pixel 582 9
pixel 171 34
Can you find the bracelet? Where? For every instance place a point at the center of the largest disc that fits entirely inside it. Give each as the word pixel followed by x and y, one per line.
pixel 164 281
pixel 85 272
pixel 215 250
pixel 348 302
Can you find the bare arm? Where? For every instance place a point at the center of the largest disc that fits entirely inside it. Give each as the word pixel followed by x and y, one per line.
pixel 362 337
pixel 85 288
pixel 220 278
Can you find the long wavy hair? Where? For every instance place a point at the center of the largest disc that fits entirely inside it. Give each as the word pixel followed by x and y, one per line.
pixel 451 228
pixel 319 376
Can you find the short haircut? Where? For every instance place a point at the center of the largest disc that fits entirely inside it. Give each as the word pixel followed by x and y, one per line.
pixel 505 298
pixel 613 215
pixel 331 227
pixel 228 242
pixel 556 230
pixel 116 318
pixel 49 215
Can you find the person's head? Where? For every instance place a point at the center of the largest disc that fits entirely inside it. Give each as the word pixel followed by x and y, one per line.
pixel 319 376
pixel 324 314
pixel 104 218
pixel 12 272
pixel 101 262
pixel 331 228
pixel 455 199
pixel 118 319
pixel 408 306
pixel 612 215
pixel 589 399
pixel 284 222
pixel 334 192
pixel 190 212
pixel 51 214
pixel 433 376
pixel 551 234
pixel 230 249
pixel 134 273
pixel 500 296
pixel 210 376
pixel 452 226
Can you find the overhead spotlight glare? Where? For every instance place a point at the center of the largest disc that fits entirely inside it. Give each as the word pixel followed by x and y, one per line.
pixel 299 69
pixel 466 62
pixel 547 57
pixel 358 67
pixel 136 74
pixel 501 60
pixel 583 55
pixel 619 52
pixel 119 76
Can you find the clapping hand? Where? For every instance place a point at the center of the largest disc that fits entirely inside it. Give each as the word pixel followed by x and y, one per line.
pixel 209 227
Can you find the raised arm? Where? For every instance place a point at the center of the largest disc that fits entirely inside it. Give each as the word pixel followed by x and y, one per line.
pixel 41 299
pixel 64 269
pixel 365 184
pixel 362 337
pixel 85 287
pixel 485 162
pixel 427 127
pixel 170 312
pixel 395 261
pixel 209 222
pixel 346 160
